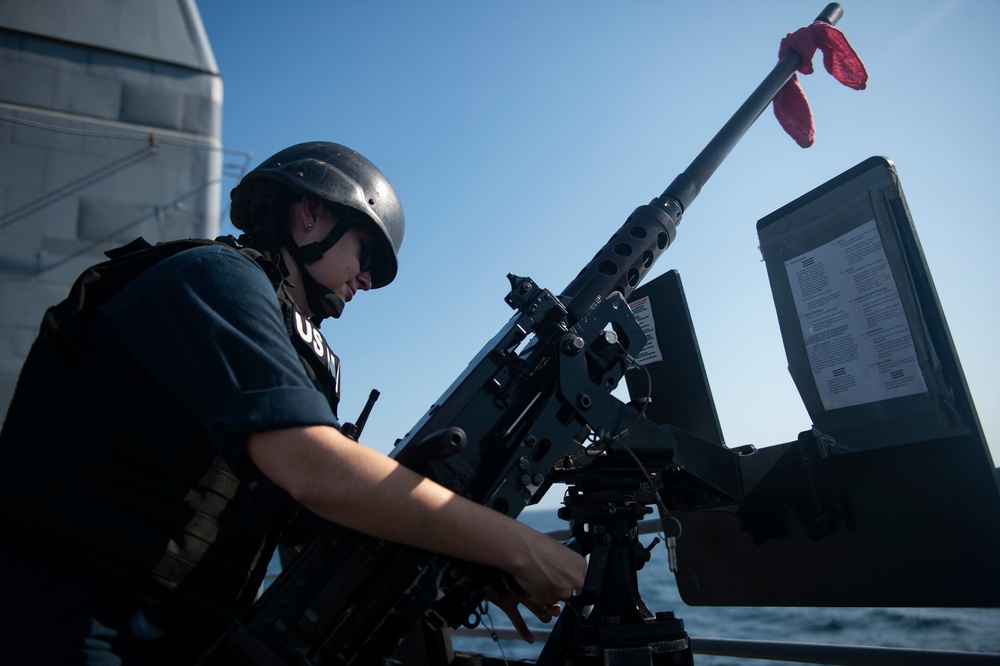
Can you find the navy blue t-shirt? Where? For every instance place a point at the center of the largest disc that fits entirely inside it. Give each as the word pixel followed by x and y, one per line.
pixel 205 324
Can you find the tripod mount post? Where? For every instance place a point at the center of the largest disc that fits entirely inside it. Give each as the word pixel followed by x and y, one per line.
pixel 608 622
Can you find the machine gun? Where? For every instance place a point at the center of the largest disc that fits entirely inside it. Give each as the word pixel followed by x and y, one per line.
pixel 532 408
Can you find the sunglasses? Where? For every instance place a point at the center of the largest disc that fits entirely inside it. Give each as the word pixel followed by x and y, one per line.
pixel 367 256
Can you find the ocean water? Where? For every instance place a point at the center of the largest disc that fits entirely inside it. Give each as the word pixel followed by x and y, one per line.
pixel 975 630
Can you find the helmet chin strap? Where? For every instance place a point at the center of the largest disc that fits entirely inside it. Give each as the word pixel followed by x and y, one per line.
pixel 322 301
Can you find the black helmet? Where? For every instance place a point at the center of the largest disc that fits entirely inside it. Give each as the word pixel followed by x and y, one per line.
pixel 354 188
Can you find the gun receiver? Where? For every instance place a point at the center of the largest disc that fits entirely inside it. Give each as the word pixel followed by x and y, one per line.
pixel 533 397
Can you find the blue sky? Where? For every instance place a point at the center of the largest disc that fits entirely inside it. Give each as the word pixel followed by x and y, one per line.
pixel 520 135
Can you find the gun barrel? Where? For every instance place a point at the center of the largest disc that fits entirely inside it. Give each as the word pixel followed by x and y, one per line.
pixel 688 184
pixel 627 257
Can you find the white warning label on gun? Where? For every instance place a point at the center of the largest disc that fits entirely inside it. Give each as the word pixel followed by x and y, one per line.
pixel 642 310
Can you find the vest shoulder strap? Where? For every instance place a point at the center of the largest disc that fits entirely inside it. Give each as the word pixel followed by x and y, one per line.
pixel 98 284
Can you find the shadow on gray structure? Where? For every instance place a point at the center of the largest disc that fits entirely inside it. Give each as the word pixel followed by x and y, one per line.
pixel 110 128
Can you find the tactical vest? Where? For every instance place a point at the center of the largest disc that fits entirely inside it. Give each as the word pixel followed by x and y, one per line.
pixel 97 460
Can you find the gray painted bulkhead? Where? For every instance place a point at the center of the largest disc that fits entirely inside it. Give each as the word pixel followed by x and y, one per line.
pixel 110 128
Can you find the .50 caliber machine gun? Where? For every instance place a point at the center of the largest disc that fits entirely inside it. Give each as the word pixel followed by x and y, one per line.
pixel 537 392
pixel 534 407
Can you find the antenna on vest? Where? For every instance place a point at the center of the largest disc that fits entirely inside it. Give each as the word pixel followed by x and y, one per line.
pixel 353 430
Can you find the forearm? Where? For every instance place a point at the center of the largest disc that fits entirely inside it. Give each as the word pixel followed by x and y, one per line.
pixel 352 485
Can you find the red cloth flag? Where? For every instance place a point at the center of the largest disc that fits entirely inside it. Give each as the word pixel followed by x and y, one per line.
pixel 790 105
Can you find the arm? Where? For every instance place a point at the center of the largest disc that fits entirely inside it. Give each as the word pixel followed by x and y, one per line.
pixel 357 487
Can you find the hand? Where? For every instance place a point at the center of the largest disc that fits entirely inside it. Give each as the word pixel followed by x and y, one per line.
pixel 509 603
pixel 548 571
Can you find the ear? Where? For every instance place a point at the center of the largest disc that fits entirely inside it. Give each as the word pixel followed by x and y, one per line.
pixel 306 210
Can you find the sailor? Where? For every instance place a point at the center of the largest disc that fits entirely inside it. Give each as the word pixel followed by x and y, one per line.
pixel 179 408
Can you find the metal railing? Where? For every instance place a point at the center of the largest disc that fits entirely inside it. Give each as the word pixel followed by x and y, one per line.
pixel 809 653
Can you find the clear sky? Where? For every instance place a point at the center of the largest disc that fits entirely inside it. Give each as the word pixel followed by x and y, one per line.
pixel 520 135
